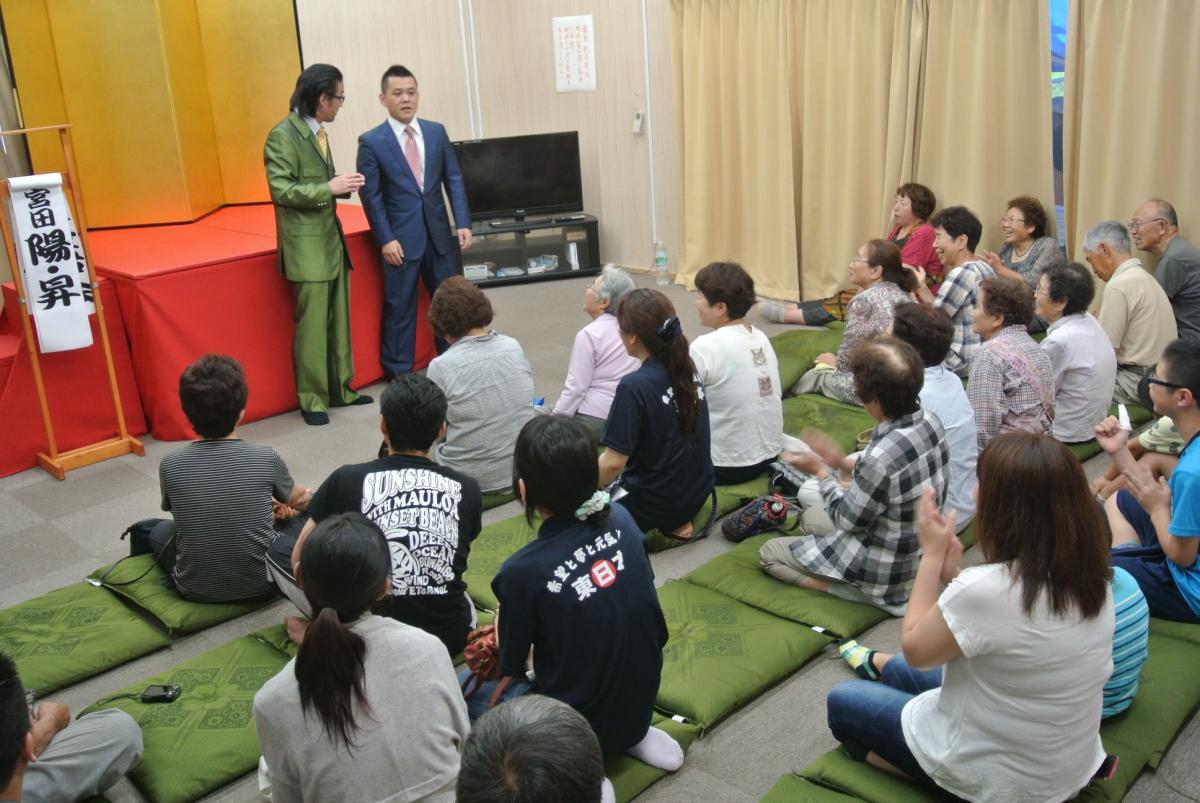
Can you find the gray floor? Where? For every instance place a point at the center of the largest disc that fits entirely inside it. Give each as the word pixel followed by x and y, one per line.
pixel 52 534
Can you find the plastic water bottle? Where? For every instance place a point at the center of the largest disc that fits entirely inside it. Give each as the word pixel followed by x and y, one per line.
pixel 660 264
pixel 539 404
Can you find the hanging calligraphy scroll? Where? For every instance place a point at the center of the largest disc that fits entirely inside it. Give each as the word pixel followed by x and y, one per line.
pixel 58 291
pixel 574 54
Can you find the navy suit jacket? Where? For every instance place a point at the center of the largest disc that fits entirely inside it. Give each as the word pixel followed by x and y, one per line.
pixel 395 204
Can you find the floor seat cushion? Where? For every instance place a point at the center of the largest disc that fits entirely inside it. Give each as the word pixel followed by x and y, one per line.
pixel 489 550
pixel 205 739
pixel 1176 630
pixel 631 777
pixel 797 350
pixel 794 789
pixel 842 422
pixel 1086 450
pixel 73 633
pixel 737 575
pixel 721 654
pixel 140 581
pixel 729 499
pixel 496 500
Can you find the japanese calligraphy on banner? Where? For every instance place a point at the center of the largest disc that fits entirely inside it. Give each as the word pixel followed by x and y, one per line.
pixel 574 54
pixel 58 291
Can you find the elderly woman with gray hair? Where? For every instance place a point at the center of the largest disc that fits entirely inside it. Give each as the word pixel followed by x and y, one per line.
pixel 598 358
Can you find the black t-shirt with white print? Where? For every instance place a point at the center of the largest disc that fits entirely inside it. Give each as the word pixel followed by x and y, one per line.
pixel 583 597
pixel 429 514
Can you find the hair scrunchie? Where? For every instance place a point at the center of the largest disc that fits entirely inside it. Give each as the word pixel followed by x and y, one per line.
pixel 594 504
pixel 670 328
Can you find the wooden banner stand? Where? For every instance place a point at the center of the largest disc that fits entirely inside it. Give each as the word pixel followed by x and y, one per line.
pixel 55 462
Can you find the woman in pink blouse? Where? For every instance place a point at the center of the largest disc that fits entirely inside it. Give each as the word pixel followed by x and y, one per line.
pixel 598 358
pixel 910 232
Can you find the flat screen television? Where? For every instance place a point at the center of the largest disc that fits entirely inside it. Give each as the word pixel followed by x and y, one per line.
pixel 530 175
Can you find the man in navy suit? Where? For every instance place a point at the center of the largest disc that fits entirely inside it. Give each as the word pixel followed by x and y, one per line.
pixel 406 163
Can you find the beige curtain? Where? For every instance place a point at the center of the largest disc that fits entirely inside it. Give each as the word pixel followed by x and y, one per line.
pixel 798 120
pixel 984 126
pixel 1130 112
pixel 734 106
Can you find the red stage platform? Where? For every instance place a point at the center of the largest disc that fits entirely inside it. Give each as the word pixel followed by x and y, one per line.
pixel 77 389
pixel 214 286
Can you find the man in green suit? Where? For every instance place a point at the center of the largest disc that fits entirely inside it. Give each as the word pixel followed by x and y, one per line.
pixel 312 249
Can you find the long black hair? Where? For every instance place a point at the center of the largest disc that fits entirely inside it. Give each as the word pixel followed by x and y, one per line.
pixel 650 316
pixel 555 456
pixel 344 566
pixel 315 81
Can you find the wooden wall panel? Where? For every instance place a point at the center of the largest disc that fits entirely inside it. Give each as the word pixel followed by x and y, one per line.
pixel 364 38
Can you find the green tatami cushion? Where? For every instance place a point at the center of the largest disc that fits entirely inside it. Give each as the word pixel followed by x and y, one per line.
pixel 1168 694
pixel 73 633
pixel 797 350
pixel 496 500
pixel 206 738
pixel 631 777
pixel 794 789
pixel 1176 630
pixel 967 536
pixel 842 422
pixel 489 550
pixel 737 575
pixel 177 614
pixel 1137 413
pixel 1085 451
pixel 721 654
pixel 836 770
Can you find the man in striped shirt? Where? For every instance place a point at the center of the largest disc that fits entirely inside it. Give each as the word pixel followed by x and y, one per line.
pixel 228 496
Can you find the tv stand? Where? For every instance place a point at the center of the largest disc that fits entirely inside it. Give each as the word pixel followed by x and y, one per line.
pixel 535 249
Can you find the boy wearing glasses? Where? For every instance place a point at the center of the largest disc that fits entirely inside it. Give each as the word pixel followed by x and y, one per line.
pixel 1156 522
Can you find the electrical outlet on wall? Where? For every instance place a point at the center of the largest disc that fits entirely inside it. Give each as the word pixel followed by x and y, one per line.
pixel 638 119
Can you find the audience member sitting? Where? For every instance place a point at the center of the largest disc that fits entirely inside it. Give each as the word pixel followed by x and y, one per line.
pixel 1027 251
pixel 1082 362
pixel 231 500
pixel 657 436
pixel 957 233
pixel 46 757
pixel 598 358
pixel 429 515
pixel 487 381
pixel 1155 522
pixel 1134 310
pixel 885 284
pixel 740 373
pixel 929 330
pixel 1155 228
pixel 910 232
pixel 1026 640
pixel 868 552
pixel 1012 382
pixel 533 749
pixel 1157 448
pixel 369 709
pixel 595 626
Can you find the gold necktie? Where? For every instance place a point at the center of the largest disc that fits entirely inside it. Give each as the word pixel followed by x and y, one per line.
pixel 323 142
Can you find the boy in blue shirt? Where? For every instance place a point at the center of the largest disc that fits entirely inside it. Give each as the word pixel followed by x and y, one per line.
pixel 1156 523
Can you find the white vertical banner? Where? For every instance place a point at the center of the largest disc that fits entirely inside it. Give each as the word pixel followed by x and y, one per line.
pixel 58 291
pixel 574 54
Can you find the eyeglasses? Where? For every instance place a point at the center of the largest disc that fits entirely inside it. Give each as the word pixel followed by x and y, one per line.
pixel 338 98
pixel 854 260
pixel 1150 379
pixel 1012 221
pixel 1134 225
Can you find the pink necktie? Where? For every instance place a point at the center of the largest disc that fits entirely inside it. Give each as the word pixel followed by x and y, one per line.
pixel 413 156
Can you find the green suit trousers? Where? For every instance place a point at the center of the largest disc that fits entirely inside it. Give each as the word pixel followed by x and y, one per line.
pixel 321 354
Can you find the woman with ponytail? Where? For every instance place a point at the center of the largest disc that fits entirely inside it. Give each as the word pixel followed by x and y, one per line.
pixel 657 435
pixel 581 598
pixel 369 709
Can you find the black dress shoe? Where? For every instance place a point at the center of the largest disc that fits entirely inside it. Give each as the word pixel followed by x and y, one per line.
pixel 315 418
pixel 362 399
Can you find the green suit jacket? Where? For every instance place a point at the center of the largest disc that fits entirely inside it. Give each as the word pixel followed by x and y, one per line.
pixel 311 245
